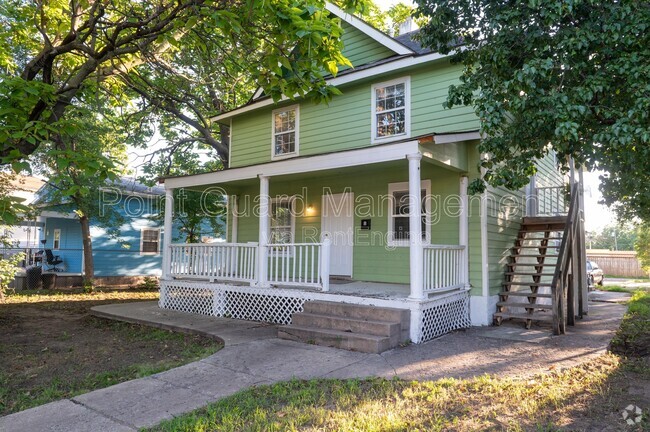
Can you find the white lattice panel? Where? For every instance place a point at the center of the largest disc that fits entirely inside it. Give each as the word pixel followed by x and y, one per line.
pixel 187 298
pixel 444 315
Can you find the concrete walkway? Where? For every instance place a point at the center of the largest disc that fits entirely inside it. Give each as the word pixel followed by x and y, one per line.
pixel 253 356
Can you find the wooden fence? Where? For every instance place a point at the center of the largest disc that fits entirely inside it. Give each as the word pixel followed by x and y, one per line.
pixel 617 263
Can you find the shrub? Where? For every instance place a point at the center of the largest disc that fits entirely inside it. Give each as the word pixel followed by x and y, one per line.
pixel 8 270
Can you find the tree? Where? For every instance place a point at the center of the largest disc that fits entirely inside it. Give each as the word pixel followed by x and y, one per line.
pixel 642 245
pixel 85 159
pixel 51 52
pixel 613 237
pixel 196 213
pixel 542 75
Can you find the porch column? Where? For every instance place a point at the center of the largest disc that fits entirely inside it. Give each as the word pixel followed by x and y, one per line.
pixel 262 255
pixel 463 229
pixel 167 229
pixel 415 228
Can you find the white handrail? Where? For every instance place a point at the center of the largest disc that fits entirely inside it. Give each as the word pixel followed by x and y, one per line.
pixel 443 267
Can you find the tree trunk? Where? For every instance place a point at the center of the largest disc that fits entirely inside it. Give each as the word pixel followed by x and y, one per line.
pixel 89 265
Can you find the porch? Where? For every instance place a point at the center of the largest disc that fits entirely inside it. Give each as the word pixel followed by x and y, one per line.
pixel 294 225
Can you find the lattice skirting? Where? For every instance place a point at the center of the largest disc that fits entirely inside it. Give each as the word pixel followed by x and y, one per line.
pixel 439 315
pixel 445 314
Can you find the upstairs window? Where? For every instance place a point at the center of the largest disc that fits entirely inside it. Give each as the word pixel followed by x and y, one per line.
pixel 149 241
pixel 391 110
pixel 285 132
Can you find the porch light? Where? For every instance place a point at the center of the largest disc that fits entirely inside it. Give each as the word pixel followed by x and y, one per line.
pixel 311 211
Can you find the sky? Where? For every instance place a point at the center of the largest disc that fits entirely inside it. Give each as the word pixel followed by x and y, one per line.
pixel 596 215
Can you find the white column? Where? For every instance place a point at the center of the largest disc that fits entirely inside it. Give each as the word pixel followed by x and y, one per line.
pixel 463 228
pixel 262 255
pixel 167 229
pixel 325 263
pixel 415 228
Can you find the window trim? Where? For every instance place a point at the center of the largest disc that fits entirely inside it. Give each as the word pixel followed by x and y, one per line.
pixel 292 206
pixel 56 246
pixel 406 80
pixel 404 187
pixel 142 230
pixel 296 151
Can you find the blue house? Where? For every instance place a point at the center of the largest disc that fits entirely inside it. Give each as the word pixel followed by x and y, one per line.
pixel 135 252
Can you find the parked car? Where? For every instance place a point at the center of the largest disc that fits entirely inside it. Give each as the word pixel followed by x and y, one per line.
pixel 594 274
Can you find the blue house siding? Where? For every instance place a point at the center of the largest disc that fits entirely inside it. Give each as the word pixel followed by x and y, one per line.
pixel 70 249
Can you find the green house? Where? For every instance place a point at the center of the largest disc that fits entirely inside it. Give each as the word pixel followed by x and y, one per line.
pixel 361 202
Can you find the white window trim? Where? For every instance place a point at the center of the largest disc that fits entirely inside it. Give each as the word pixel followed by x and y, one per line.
pixel 404 187
pixel 296 152
pixel 54 235
pixel 292 204
pixel 407 110
pixel 142 240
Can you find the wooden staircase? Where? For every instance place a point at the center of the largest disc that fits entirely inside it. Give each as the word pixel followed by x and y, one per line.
pixel 527 293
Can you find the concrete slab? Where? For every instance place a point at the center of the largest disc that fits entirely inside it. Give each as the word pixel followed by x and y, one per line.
pixel 279 360
pixel 143 402
pixel 609 297
pixel 229 331
pixel 514 332
pixel 61 416
pixel 214 381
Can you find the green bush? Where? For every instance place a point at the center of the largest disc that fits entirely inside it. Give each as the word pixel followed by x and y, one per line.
pixel 8 269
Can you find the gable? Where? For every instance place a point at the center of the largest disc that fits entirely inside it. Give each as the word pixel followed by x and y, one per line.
pixel 360 48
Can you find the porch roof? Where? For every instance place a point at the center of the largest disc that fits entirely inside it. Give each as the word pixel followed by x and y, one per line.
pixel 304 164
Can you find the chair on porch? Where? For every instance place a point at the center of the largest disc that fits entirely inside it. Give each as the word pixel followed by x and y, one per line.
pixel 52 260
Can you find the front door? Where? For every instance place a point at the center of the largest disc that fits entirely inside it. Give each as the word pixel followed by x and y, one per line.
pixel 337 223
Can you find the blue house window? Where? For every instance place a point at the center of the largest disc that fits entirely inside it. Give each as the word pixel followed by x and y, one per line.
pixel 149 241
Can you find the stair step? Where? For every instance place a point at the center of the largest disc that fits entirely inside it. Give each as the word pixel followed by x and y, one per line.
pixel 533 247
pixel 527 220
pixel 337 339
pixel 537 284
pixel 525 305
pixel 528 274
pixel 346 324
pixel 525 294
pixel 362 312
pixel 534 317
pixel 546 264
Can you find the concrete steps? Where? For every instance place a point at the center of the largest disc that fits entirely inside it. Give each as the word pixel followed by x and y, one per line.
pixel 346 326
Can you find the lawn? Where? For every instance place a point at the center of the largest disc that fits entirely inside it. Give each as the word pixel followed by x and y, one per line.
pixel 51 348
pixel 583 398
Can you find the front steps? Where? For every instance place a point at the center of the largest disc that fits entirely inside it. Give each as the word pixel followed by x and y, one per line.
pixel 352 327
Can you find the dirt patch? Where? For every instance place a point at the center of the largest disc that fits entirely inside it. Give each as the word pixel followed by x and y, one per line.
pixel 54 349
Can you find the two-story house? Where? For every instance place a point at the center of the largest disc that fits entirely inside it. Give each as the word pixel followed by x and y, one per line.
pixel 350 222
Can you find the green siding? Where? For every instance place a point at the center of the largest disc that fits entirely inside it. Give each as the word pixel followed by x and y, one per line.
pixel 474 222
pixel 373 260
pixel 360 48
pixel 344 123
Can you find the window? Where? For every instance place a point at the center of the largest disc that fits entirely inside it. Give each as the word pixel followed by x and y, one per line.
pixel 282 221
pixel 285 131
pixel 57 239
pixel 149 241
pixel 398 215
pixel 391 110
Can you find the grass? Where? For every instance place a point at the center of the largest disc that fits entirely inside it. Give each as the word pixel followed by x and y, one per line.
pixel 52 349
pixel 585 397
pixel 615 288
pixel 485 403
pixel 633 336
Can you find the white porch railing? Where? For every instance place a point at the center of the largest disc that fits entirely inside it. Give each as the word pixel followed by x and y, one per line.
pixel 444 267
pixel 300 264
pixel 550 201
pixel 215 261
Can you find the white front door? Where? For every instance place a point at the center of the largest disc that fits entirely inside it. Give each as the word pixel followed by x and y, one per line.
pixel 337 223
